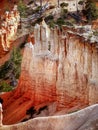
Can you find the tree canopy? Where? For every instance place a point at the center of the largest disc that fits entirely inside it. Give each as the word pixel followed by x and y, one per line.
pixel 90 10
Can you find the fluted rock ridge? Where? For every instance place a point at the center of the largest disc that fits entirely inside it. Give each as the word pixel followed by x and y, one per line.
pixel 60 67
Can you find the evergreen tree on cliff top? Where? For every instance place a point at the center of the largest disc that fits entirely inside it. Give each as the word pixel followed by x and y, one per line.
pixel 90 10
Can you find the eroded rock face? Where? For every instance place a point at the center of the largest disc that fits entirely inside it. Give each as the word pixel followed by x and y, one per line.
pixel 8 28
pixel 59 68
pixel 86 119
pixel 63 66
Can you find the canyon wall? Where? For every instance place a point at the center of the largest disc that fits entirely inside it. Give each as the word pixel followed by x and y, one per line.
pixel 10 21
pixel 62 68
pixel 59 66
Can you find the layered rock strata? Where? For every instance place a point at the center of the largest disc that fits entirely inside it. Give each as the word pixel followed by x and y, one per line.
pixel 64 65
pixel 60 67
pixel 9 28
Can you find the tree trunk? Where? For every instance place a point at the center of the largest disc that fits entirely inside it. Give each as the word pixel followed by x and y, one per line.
pixel 40 2
pixel 58 3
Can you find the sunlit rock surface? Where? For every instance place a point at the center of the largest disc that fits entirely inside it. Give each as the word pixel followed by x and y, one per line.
pixel 86 119
pixel 61 68
pixel 9 26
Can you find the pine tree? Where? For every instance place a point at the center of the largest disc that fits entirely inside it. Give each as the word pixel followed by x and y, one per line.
pixel 90 10
pixel 15 60
pixel 22 8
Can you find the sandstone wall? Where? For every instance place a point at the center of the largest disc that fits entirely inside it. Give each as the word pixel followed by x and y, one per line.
pixel 9 26
pixel 60 67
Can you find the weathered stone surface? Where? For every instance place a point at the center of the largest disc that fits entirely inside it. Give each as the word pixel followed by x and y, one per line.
pixel 8 28
pixel 94 24
pixel 86 119
pixel 62 69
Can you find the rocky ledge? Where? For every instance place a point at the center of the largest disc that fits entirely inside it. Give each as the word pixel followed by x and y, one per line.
pixel 86 119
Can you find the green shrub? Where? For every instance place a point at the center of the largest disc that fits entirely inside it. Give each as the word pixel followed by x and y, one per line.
pixel 10 69
pixel 15 60
pixel 51 23
pixel 4 69
pixel 13 65
pixel 64 13
pixel 95 32
pixel 5 87
pixel 62 5
pixel 91 10
pixel 22 8
pixel 49 17
pixel 81 2
pixel 60 22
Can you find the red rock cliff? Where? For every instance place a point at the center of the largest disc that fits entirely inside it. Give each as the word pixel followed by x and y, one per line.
pixel 62 68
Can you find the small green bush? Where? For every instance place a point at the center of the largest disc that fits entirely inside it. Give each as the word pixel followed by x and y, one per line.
pixel 10 69
pixel 22 8
pixel 60 22
pixel 95 32
pixel 49 17
pixel 4 69
pixel 5 87
pixel 62 5
pixel 81 2
pixel 51 23
pixel 64 13
pixel 12 66
pixel 15 60
pixel 91 11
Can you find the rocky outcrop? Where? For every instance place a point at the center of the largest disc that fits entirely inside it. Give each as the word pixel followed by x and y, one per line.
pixel 9 28
pixel 86 119
pixel 94 24
pixel 60 67
pixel 63 66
